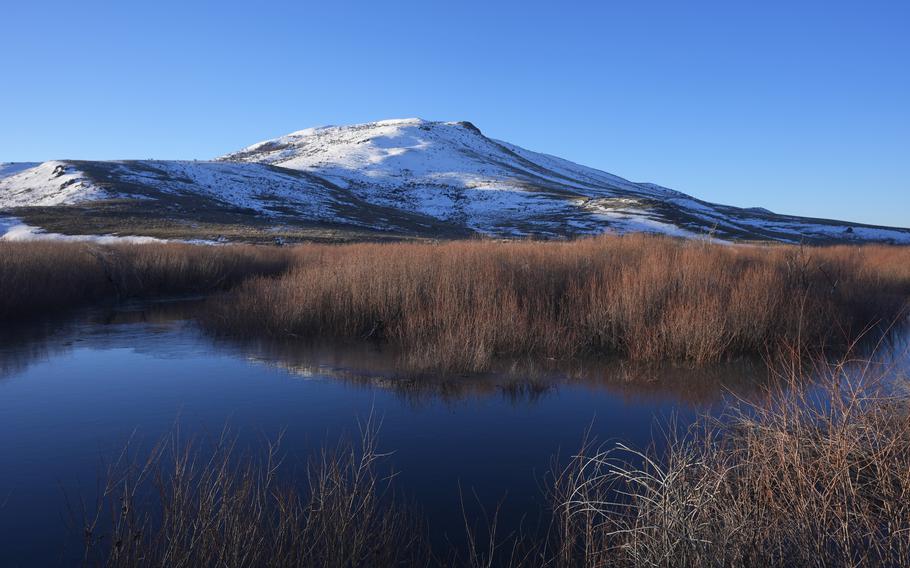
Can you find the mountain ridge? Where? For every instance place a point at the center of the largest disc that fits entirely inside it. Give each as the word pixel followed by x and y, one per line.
pixel 411 177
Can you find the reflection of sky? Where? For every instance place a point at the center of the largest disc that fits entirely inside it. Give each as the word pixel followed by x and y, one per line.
pixel 72 394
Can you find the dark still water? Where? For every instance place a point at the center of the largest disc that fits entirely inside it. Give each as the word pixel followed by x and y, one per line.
pixel 73 393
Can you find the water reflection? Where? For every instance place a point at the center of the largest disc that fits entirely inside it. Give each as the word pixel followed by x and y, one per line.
pixel 140 324
pixel 152 329
pixel 162 328
pixel 520 382
pixel 24 344
pixel 73 391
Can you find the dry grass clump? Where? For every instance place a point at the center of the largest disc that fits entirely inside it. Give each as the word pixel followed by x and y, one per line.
pixel 42 277
pixel 457 306
pixel 190 506
pixel 810 477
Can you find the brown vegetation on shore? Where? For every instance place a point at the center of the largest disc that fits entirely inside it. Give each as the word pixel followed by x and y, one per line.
pixel 42 277
pixel 815 475
pixel 457 306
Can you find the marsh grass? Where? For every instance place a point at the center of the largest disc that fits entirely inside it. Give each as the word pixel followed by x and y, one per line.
pixel 190 505
pixel 44 277
pixel 459 306
pixel 814 475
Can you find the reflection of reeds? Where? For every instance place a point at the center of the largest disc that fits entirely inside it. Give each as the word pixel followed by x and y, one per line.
pixel 187 505
pixel 376 366
pixel 460 306
pixel 806 477
pixel 42 277
pixel 531 390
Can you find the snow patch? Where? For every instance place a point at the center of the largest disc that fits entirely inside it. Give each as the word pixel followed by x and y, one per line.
pixel 13 229
pixel 48 184
pixel 250 186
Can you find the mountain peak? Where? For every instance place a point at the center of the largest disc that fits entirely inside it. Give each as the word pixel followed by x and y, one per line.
pixel 406 176
pixel 378 123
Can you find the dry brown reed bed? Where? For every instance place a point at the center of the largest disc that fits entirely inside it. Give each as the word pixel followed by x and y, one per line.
pixel 41 277
pixel 457 306
pixel 809 477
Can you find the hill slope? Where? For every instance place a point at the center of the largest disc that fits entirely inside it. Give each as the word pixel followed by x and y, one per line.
pixel 397 177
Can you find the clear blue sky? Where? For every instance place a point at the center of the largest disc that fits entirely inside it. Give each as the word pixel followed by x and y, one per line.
pixel 801 107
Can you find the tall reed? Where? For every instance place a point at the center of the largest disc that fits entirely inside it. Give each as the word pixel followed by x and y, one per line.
pixel 811 476
pixel 41 277
pixel 457 306
pixel 189 505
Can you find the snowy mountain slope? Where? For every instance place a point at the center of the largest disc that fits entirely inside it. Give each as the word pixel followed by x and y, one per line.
pixel 451 171
pixel 240 185
pixel 404 176
pixel 49 183
pixel 12 168
pixel 195 190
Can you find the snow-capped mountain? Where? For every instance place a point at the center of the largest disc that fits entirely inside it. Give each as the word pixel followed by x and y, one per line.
pixel 409 177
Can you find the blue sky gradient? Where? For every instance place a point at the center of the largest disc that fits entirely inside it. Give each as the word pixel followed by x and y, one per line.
pixel 800 107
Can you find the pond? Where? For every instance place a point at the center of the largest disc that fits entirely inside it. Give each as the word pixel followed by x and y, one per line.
pixel 73 393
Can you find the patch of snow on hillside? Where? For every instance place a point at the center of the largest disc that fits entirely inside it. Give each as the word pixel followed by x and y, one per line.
pixel 841 232
pixel 48 184
pixel 624 222
pixel 12 229
pixel 622 216
pixel 251 186
pixel 798 229
pixel 566 169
